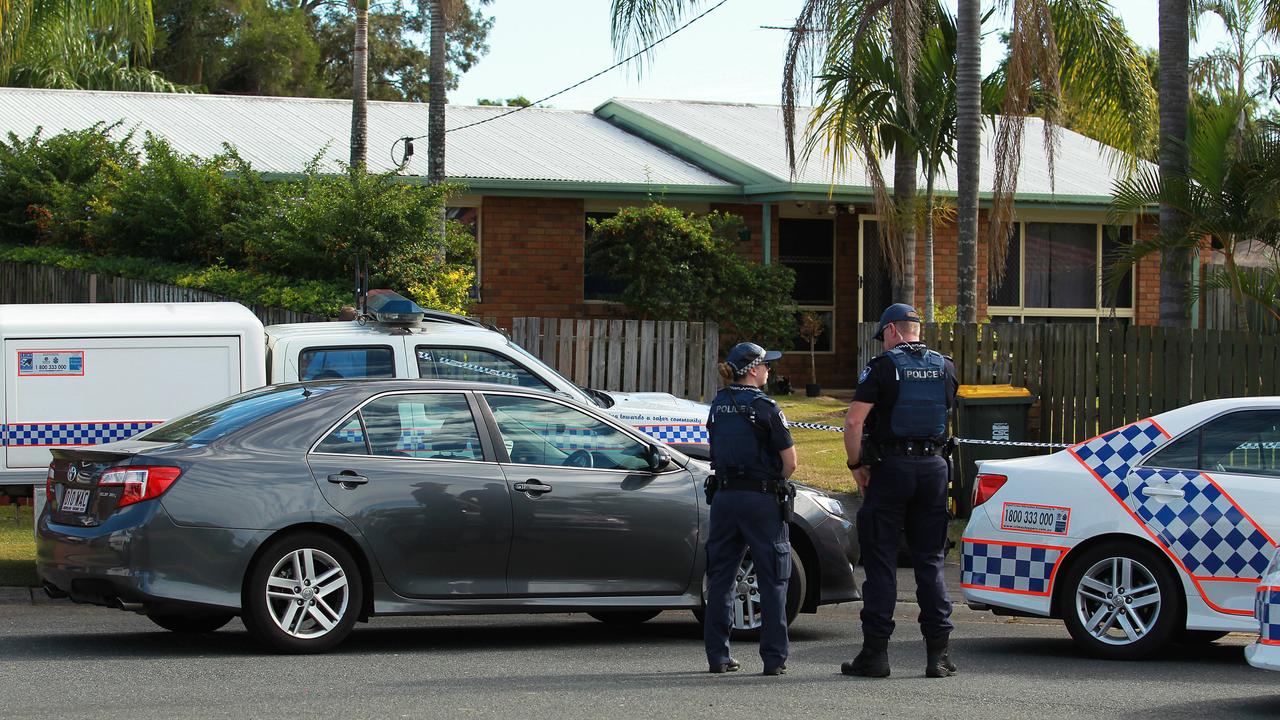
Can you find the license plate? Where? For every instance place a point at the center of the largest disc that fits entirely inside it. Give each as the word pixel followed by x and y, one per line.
pixel 1048 519
pixel 75 500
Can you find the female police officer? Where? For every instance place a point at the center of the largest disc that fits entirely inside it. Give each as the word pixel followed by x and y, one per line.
pixel 752 455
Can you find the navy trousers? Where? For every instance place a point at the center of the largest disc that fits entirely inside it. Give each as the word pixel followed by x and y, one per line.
pixel 742 519
pixel 905 493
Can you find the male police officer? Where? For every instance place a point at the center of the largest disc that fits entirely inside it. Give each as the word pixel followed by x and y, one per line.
pixel 896 439
pixel 752 454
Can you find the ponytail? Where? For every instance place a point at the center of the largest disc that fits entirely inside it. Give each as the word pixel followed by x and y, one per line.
pixel 727 372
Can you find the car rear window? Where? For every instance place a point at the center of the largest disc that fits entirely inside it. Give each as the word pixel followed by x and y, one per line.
pixel 208 424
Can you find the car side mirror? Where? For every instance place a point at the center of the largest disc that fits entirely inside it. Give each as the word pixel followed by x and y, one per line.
pixel 658 459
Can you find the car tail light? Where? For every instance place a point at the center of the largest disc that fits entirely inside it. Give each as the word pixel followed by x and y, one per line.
pixel 139 483
pixel 986 486
pixel 48 486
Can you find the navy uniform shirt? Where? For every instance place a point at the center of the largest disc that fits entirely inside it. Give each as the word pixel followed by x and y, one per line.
pixel 878 385
pixel 734 443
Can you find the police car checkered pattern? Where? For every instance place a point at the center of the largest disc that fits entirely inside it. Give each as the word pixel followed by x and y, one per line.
pixel 1269 615
pixel 1204 529
pixel 676 434
pixel 53 434
pixel 1020 568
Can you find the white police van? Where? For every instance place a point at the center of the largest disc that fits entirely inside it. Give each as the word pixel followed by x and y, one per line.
pixel 87 374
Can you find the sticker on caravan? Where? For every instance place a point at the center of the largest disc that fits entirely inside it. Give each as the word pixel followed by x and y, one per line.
pixel 50 363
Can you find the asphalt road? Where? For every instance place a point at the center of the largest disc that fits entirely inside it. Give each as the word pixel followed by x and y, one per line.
pixel 58 660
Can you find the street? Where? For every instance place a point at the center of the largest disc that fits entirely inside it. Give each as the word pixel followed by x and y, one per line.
pixel 59 660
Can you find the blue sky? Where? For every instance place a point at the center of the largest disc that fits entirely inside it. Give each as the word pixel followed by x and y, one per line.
pixel 540 46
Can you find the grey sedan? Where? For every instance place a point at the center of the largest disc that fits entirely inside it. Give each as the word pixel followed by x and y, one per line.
pixel 306 508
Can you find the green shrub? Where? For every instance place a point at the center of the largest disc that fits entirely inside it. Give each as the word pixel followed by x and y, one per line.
pixel 674 266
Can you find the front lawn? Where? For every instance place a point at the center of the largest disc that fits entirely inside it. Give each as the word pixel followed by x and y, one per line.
pixel 17 547
pixel 821 452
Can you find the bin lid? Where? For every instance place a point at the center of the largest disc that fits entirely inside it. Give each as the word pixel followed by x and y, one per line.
pixel 992 391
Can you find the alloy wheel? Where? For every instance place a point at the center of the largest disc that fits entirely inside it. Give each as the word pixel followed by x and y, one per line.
pixel 307 593
pixel 1118 601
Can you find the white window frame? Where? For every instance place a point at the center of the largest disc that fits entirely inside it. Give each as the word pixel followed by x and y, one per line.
pixel 1099 312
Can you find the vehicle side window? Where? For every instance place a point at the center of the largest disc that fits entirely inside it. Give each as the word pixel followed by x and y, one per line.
pixel 346 362
pixel 472 365
pixel 541 432
pixel 1246 442
pixel 430 426
pixel 348 439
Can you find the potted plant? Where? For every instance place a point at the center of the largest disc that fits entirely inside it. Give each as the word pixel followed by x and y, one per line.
pixel 811 328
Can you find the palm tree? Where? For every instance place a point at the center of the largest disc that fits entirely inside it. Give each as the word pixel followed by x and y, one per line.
pixel 78 45
pixel 437 100
pixel 1227 195
pixel 968 153
pixel 1175 266
pixel 1230 69
pixel 861 110
pixel 360 88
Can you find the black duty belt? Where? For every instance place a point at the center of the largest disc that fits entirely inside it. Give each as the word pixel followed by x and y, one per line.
pixel 747 484
pixel 915 448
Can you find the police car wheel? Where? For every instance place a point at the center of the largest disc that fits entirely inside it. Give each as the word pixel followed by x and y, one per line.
pixel 303 594
pixel 1120 601
pixel 746 595
pixel 624 618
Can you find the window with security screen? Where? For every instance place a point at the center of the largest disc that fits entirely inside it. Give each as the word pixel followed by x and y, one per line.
pixel 808 248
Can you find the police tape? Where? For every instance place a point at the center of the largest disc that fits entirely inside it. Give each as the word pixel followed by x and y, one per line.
pixel 964 441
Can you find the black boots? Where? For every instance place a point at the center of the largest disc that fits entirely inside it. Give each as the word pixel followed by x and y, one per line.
pixel 938 664
pixel 873 661
pixel 724 667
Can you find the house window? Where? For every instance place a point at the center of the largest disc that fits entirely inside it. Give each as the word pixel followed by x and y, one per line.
pixel 808 247
pixel 596 285
pixel 1057 271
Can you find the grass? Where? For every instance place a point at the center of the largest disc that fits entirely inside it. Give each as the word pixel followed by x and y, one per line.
pixel 820 452
pixel 17 547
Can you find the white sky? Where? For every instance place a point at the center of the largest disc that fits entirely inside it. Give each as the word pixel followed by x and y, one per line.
pixel 538 47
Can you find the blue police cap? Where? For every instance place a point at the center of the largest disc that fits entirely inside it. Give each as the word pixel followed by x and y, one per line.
pixel 896 312
pixel 747 355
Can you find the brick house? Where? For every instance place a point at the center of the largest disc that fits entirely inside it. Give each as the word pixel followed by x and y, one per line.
pixel 534 177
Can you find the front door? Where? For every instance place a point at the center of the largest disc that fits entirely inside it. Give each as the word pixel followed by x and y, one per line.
pixel 590 517
pixel 436 513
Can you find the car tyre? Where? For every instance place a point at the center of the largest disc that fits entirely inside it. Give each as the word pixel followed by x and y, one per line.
pixel 186 624
pixel 1120 601
pixel 625 618
pixel 797 591
pixel 303 594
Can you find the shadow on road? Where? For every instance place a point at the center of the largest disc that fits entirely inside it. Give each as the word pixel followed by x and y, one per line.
pixel 434 636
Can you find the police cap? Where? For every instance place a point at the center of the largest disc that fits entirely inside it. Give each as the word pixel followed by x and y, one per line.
pixel 744 356
pixel 896 312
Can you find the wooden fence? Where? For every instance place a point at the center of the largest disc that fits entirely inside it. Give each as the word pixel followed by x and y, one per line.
pixel 41 284
pixel 1219 311
pixel 627 355
pixel 1090 379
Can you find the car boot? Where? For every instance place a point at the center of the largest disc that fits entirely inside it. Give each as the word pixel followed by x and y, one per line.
pixel 939 663
pixel 872 661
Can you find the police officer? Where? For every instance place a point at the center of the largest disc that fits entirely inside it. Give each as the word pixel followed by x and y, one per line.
pixel 752 454
pixel 897 443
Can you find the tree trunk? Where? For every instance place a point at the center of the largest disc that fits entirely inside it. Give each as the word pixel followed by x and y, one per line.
pixel 905 162
pixel 968 154
pixel 928 246
pixel 436 99
pixel 1175 263
pixel 360 89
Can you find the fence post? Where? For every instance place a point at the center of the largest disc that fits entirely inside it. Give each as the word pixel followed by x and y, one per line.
pixel 711 357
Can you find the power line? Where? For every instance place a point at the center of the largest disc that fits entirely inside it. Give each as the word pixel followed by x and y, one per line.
pixel 620 63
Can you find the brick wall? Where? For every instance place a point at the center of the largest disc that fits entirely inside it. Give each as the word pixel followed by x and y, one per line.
pixel 1146 278
pixel 531 255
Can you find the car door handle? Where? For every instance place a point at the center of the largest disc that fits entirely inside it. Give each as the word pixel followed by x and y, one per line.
pixel 533 488
pixel 1163 492
pixel 347 478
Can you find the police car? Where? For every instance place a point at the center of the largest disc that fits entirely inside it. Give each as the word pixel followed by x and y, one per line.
pixel 1160 531
pixel 1265 651
pixel 398 339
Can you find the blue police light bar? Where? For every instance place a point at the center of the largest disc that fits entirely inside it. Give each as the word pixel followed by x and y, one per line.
pixel 393 308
